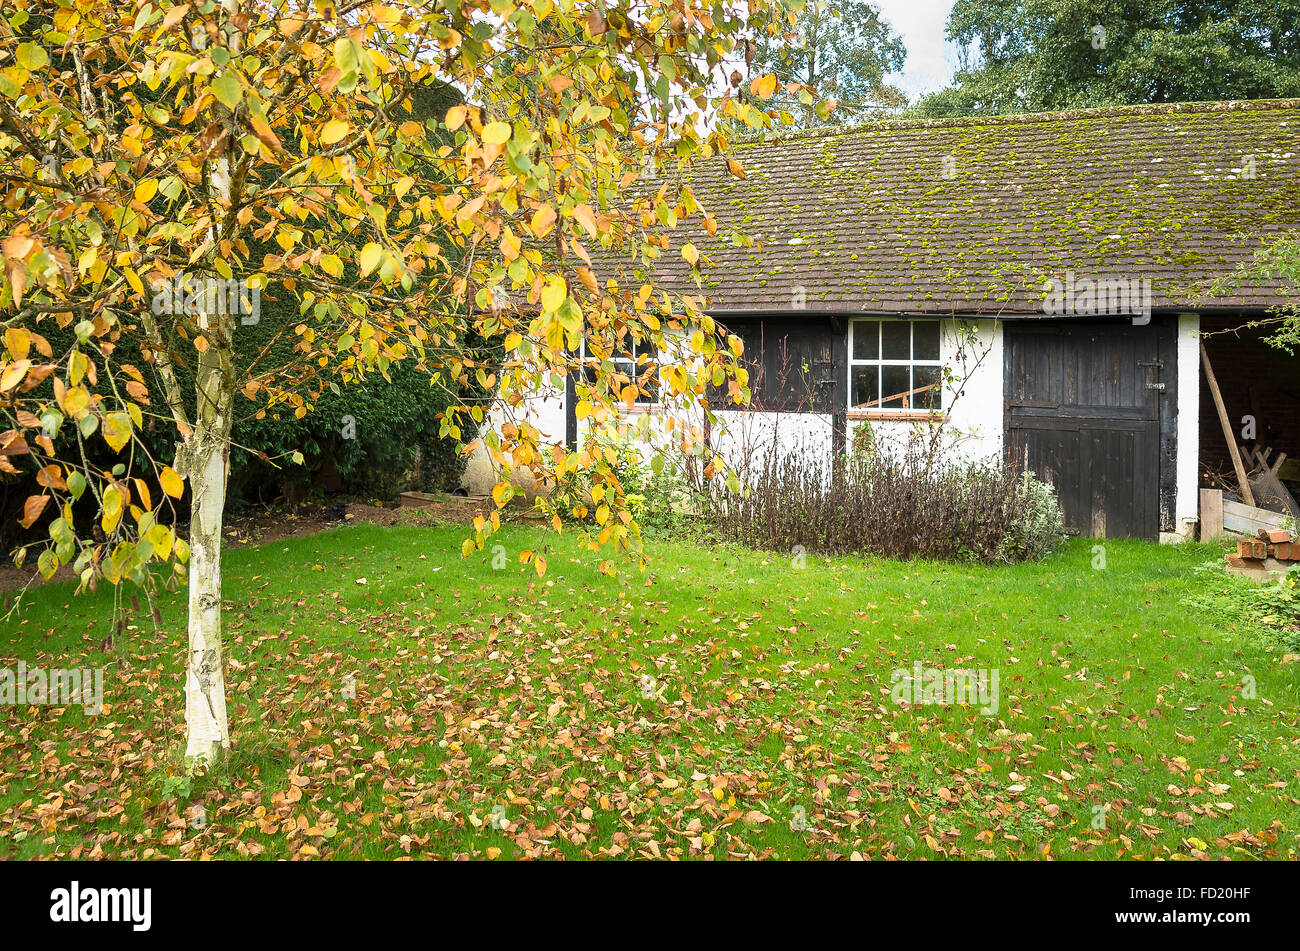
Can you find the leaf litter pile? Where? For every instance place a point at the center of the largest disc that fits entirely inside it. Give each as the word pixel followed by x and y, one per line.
pixel 389 700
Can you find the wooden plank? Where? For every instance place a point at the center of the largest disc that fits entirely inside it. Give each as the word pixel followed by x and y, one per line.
pixel 1078 413
pixel 1248 520
pixel 428 499
pixel 1211 514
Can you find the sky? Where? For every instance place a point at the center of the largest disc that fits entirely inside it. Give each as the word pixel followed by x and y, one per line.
pixel 931 60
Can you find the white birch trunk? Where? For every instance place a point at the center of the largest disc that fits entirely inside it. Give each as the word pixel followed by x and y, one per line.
pixel 207 730
pixel 205 457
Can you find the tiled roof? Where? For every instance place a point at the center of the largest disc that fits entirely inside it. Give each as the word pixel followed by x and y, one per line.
pixel 965 215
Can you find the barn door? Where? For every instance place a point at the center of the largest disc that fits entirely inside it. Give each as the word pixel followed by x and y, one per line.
pixel 1083 405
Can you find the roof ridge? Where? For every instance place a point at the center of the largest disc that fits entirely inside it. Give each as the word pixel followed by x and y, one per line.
pixel 1013 118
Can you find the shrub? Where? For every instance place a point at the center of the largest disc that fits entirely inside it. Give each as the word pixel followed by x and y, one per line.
pixel 1039 525
pixel 663 503
pixel 1269 613
pixel 366 439
pixel 899 503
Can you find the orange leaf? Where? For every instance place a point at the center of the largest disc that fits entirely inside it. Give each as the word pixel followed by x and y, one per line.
pixel 32 509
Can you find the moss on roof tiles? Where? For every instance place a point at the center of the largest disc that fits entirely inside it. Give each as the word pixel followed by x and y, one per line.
pixel 1095 190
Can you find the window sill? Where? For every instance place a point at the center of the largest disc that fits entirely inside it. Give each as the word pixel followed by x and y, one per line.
pixel 897 415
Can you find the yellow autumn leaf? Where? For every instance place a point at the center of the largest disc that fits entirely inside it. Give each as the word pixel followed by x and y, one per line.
pixel 116 430
pixel 13 375
pixel 542 221
pixel 455 117
pixel 763 86
pixel 160 536
pixel 553 294
pixel 114 502
pixel 75 400
pixel 32 57
pixel 333 131
pixel 496 133
pixel 18 341
pixel 690 254
pixel 584 216
pixel 369 257
pixel 510 246
pixel 171 482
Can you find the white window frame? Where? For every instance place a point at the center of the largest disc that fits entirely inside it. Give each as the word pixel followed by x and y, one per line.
pixel 623 363
pixel 880 363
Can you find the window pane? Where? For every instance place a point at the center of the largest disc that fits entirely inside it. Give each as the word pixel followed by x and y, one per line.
pixel 925 340
pixel 895 382
pixel 927 377
pixel 625 348
pixel 647 369
pixel 866 339
pixel 866 386
pixel 624 375
pixel 895 340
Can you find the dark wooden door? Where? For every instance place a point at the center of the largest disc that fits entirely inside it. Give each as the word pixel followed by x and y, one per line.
pixel 1083 412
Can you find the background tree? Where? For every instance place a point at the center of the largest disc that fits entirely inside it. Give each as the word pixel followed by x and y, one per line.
pixel 143 145
pixel 1277 259
pixel 842 50
pixel 1041 55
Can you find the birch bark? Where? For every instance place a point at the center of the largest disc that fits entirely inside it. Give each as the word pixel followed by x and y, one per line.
pixel 204 457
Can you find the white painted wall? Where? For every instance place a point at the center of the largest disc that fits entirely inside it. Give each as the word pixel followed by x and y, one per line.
pixel 1187 466
pixel 746 439
pixel 975 414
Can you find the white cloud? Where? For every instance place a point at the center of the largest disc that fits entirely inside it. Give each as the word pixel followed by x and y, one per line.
pixel 931 60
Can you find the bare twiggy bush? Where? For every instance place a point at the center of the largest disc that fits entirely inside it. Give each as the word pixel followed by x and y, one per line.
pixel 899 502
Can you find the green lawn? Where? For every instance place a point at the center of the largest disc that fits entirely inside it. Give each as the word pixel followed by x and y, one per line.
pixel 489 698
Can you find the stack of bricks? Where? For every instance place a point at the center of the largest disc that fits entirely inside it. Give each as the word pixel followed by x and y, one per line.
pixel 1273 550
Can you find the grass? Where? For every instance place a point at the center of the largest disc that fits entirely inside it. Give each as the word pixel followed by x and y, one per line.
pixel 730 704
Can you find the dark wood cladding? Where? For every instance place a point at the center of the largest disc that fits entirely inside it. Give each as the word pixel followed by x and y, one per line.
pixel 796 364
pixel 1092 408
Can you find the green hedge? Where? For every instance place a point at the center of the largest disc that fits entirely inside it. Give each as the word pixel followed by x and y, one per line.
pixel 364 435
pixel 373 454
